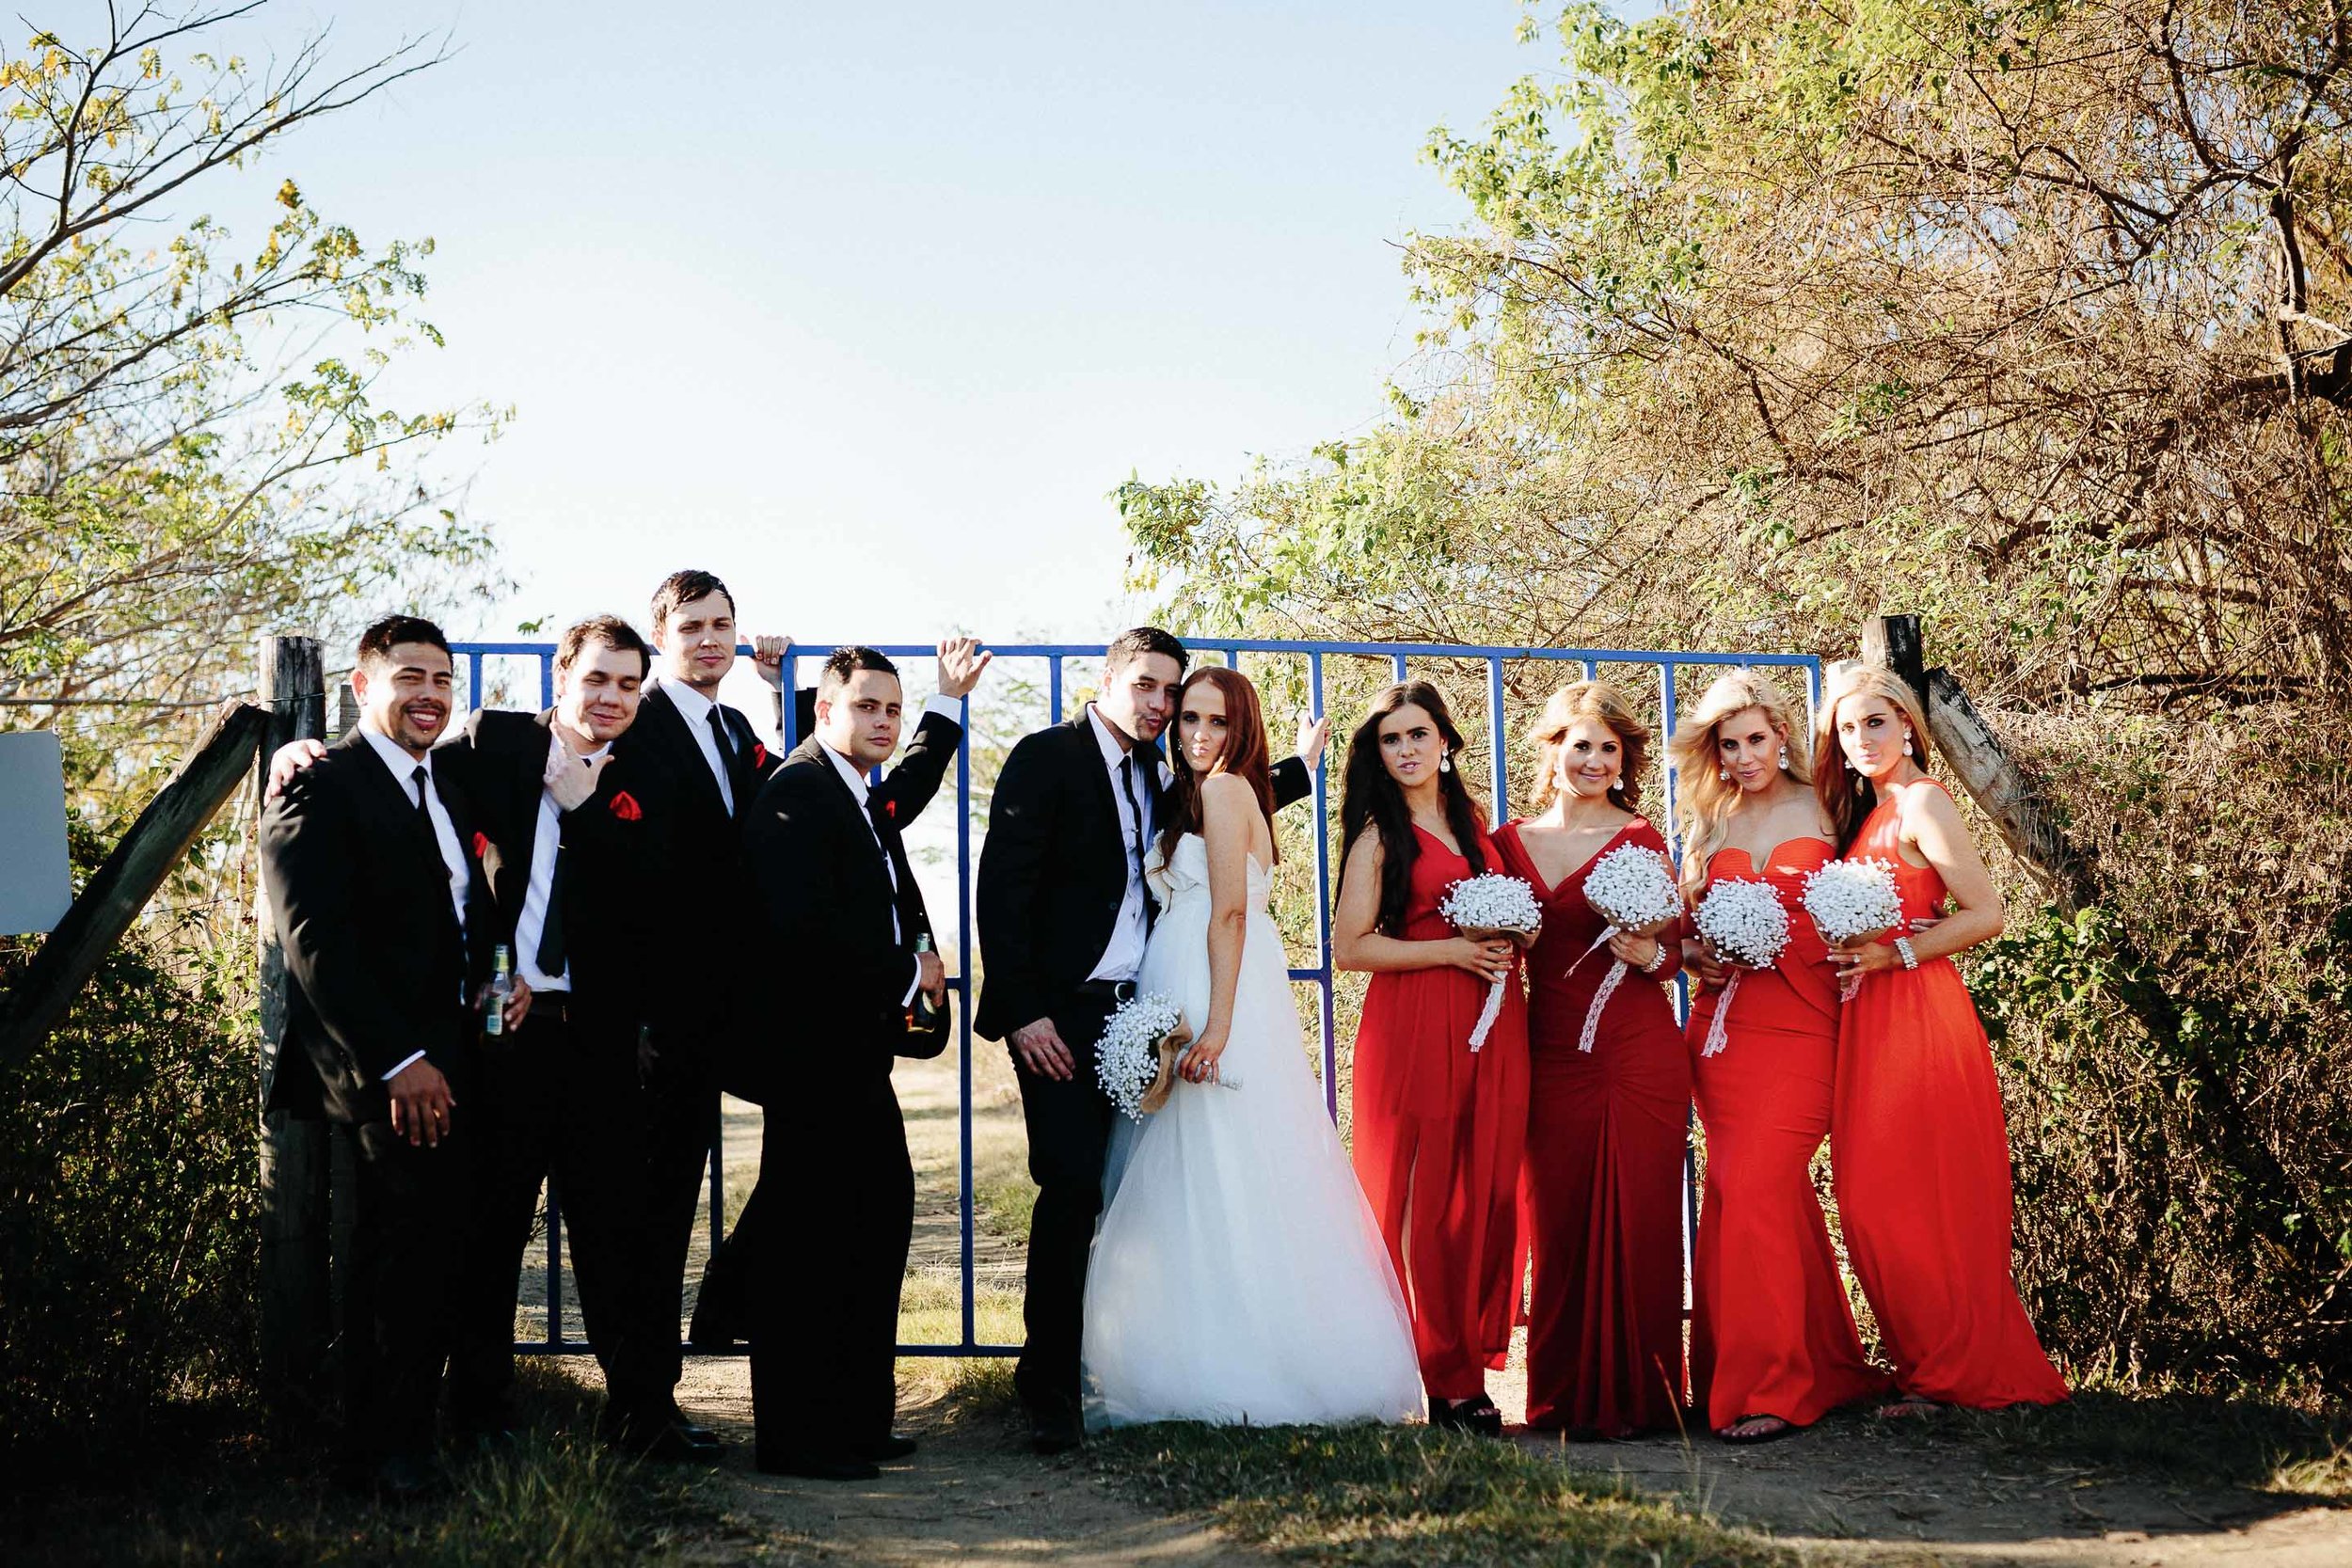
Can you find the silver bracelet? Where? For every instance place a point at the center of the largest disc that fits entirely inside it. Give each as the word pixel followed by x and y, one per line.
pixel 1903 945
pixel 1657 961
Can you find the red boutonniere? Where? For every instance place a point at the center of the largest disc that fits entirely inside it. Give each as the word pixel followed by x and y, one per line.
pixel 625 806
pixel 890 809
pixel 759 754
pixel 481 846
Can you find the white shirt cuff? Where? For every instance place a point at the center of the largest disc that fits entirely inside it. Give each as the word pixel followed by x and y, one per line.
pixel 406 1063
pixel 949 708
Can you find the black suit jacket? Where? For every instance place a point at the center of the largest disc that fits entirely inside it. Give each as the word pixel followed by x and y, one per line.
pixel 1054 870
pixel 826 906
pixel 376 966
pixel 612 847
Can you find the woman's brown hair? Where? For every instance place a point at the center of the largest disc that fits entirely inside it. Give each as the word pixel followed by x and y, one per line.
pixel 1247 755
pixel 1606 705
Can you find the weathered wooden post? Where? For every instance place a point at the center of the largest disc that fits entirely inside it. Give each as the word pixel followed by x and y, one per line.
pixel 298 1307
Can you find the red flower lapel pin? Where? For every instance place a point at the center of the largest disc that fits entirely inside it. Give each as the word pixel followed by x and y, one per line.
pixel 625 806
pixel 481 846
pixel 890 809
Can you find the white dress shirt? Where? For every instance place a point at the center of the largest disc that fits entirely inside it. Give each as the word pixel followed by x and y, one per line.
pixel 1122 959
pixel 858 790
pixel 403 769
pixel 695 709
pixel 547 840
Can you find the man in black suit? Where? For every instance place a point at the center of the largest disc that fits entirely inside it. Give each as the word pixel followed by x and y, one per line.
pixel 1063 917
pixel 386 922
pixel 846 936
pixel 573 844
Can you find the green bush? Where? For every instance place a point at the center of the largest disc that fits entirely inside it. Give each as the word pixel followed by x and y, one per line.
pixel 129 1227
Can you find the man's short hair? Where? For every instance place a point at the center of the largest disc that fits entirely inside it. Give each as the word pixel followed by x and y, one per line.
pixel 844 662
pixel 377 642
pixel 685 588
pixel 1128 646
pixel 607 630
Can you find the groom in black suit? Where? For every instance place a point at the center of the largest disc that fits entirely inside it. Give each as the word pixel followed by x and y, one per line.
pixel 1063 917
pixel 380 902
pixel 844 935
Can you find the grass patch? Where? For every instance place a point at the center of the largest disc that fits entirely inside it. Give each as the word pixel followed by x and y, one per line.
pixel 2236 1440
pixel 1002 1200
pixel 220 1494
pixel 1374 1495
pixel 931 1312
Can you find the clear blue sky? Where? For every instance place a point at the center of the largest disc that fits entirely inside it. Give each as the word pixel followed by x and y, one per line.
pixel 867 308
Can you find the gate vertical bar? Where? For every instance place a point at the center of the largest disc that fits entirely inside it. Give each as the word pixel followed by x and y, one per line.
pixel 963 1029
pixel 1689 1119
pixel 1500 759
pixel 1323 896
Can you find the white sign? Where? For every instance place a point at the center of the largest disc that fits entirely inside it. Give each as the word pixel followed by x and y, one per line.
pixel 36 879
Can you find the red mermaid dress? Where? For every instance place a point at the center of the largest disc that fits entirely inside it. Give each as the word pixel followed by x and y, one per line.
pixel 1439 1132
pixel 1602 1193
pixel 1771 1332
pixel 1920 1153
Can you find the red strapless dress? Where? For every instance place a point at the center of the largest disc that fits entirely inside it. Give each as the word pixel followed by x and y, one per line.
pixel 1920 1151
pixel 1771 1333
pixel 1439 1132
pixel 1602 1193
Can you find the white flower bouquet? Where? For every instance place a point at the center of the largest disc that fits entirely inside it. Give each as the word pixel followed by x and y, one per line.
pixel 1850 901
pixel 1633 890
pixel 1746 924
pixel 1135 1062
pixel 1493 905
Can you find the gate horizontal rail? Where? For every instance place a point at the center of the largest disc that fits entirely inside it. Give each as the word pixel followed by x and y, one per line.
pixel 1319 973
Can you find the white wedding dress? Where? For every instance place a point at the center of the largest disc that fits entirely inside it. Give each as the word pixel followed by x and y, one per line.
pixel 1237 1273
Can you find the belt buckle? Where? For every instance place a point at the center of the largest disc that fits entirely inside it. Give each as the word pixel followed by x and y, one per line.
pixel 1122 990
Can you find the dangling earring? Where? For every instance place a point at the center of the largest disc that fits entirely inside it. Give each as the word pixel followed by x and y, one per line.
pixel 1783 759
pixel 1724 774
pixel 1445 762
pixel 1906 743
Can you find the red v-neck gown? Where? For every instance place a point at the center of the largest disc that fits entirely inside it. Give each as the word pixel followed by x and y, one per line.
pixel 1602 1193
pixel 1919 1149
pixel 1438 1130
pixel 1770 1332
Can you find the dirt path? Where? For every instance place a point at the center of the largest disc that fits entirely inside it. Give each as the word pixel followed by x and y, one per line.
pixel 1849 1492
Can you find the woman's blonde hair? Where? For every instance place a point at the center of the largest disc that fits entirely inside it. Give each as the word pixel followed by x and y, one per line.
pixel 1703 798
pixel 1605 705
pixel 1846 795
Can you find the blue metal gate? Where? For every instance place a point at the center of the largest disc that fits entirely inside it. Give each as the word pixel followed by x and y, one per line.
pixel 1055 656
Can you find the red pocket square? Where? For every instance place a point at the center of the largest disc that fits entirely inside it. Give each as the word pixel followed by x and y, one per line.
pixel 481 846
pixel 625 806
pixel 890 809
pixel 759 754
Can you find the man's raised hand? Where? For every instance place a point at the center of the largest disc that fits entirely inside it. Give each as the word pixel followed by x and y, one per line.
pixel 290 759
pixel 1313 735
pixel 960 662
pixel 571 779
pixel 767 659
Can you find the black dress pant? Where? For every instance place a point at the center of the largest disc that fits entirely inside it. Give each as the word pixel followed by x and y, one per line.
pixel 560 1100
pixel 681 1124
pixel 407 1234
pixel 838 1217
pixel 1070 1129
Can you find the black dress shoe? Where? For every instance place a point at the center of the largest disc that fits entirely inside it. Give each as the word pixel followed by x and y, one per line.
pixel 663 1441
pixel 817 1467
pixel 895 1446
pixel 1055 1430
pixel 695 1431
pixel 405 1476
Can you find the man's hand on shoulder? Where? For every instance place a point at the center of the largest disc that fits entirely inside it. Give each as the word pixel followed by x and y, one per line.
pixel 289 760
pixel 570 780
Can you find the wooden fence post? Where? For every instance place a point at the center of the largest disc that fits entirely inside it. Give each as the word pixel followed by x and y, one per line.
pixel 1983 765
pixel 298 1307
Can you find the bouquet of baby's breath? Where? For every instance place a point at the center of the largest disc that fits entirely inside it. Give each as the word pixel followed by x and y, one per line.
pixel 1493 905
pixel 1633 890
pixel 1746 924
pixel 1137 1059
pixel 1850 900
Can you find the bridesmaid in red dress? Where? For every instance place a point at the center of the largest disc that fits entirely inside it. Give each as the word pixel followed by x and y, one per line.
pixel 1606 1127
pixel 1438 1128
pixel 1918 1141
pixel 1772 1341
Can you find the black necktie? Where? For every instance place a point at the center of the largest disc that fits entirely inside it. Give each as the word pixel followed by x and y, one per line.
pixel 423 780
pixel 551 956
pixel 1127 786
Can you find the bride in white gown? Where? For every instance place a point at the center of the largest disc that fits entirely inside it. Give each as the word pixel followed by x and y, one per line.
pixel 1237 1275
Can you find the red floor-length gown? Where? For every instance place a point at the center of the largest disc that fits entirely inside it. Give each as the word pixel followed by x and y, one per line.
pixel 1602 1189
pixel 1438 1130
pixel 1770 1332
pixel 1919 1150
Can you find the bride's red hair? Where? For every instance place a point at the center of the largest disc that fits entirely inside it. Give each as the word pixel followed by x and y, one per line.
pixel 1246 754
